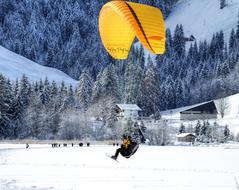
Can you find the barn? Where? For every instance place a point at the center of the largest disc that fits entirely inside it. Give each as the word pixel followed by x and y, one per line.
pixel 202 111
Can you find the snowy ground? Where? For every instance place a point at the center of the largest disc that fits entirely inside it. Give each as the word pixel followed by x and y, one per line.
pixel 202 18
pixel 151 168
pixel 13 66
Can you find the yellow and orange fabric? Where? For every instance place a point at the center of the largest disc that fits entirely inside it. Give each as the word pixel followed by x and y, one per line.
pixel 120 22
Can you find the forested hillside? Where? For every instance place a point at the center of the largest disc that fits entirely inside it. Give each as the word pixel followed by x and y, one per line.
pixel 65 36
pixel 59 34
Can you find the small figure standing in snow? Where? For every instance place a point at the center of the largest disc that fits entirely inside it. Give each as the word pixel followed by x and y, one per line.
pixel 127 149
pixel 27 145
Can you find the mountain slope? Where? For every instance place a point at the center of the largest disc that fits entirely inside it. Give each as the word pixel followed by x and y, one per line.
pixel 14 66
pixel 202 18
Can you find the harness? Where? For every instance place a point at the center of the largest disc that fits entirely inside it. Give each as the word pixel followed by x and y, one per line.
pixel 126 143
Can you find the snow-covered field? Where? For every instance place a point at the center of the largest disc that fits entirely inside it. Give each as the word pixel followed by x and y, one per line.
pixel 151 168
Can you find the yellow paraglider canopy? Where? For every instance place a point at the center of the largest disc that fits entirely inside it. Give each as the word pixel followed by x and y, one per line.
pixel 120 22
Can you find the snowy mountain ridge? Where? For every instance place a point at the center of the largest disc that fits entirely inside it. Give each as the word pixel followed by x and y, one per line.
pixel 13 66
pixel 203 18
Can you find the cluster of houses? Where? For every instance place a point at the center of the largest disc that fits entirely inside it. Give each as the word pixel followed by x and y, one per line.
pixel 203 111
pixel 211 111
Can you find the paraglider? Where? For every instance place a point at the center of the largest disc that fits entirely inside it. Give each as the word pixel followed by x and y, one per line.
pixel 127 149
pixel 120 22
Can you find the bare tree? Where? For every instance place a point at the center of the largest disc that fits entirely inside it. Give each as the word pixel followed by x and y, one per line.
pixel 223 107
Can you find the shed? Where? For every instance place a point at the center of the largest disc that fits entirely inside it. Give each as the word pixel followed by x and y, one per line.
pixel 186 137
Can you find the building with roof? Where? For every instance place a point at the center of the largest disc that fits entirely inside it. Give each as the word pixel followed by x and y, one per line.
pixel 202 111
pixel 186 137
pixel 127 111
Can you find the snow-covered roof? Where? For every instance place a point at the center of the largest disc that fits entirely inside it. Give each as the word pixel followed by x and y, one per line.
pixel 177 111
pixel 133 107
pixel 184 134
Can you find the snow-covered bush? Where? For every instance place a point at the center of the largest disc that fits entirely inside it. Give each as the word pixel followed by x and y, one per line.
pixel 75 125
pixel 159 135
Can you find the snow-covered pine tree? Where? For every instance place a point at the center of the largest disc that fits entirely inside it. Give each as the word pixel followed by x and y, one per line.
pixel 133 77
pixel 53 90
pixel 5 103
pixel 182 128
pixel 237 31
pixel 179 90
pixel 11 111
pixel 34 117
pixel 149 90
pixel 53 111
pixel 226 133
pixel 232 41
pixel 222 4
pixel 24 91
pixel 169 43
pixel 170 93
pixel 141 58
pixel 205 50
pixel 198 128
pixel 46 92
pixel 220 45
pixel 84 90
pixel 225 68
pixel 70 97
pixel 179 41
pixel 163 99
pixel 205 72
pixel 105 96
pixel 63 96
pixel 109 84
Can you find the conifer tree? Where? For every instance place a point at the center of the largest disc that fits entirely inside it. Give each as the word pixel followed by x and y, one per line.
pixel 70 97
pixel 24 91
pixel 53 90
pixel 179 41
pixel 84 90
pixel 5 103
pixel 182 129
pixel 222 4
pixel 109 84
pixel 149 94
pixel 133 77
pixel 198 128
pixel 226 133
pixel 179 90
pixel 232 41
pixel 237 31
pixel 170 93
